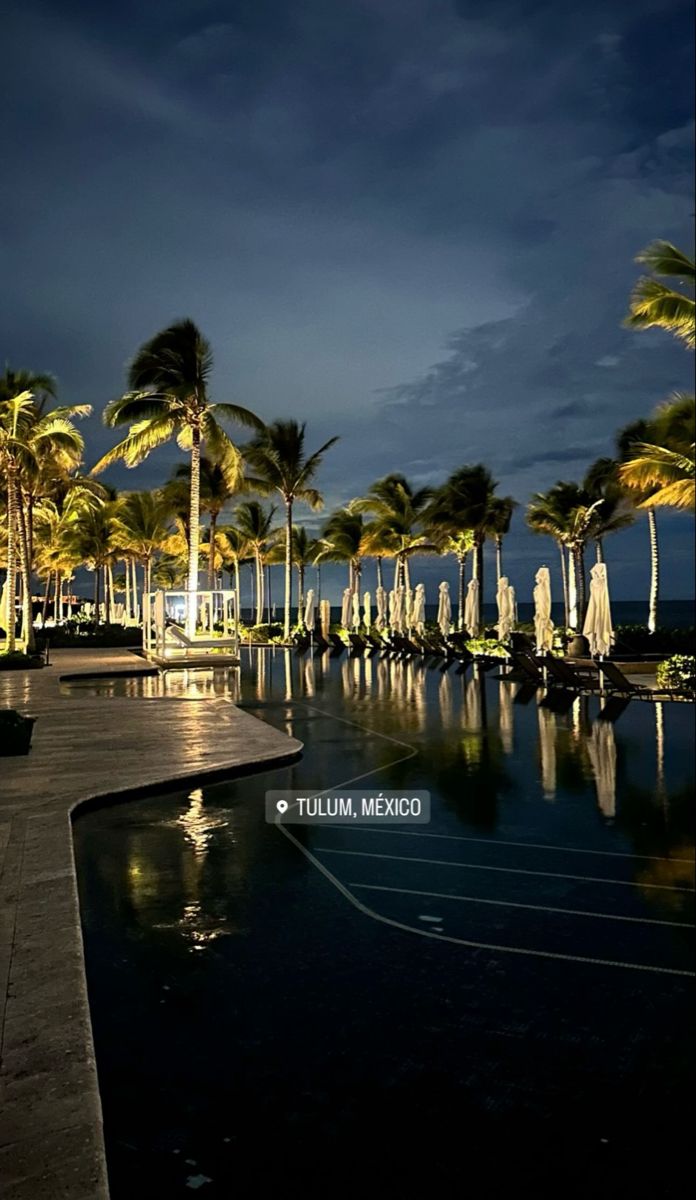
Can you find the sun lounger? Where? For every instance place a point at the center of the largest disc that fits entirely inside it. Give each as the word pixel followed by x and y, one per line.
pixel 618 683
pixel 562 674
pixel 337 644
pixel 174 633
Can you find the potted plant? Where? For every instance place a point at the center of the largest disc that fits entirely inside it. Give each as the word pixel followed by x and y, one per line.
pixel 15 732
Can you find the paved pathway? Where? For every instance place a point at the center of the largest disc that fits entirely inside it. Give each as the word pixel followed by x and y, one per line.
pixel 83 747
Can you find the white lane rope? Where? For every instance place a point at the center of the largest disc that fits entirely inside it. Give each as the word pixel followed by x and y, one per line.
pixel 440 862
pixel 428 933
pixel 572 912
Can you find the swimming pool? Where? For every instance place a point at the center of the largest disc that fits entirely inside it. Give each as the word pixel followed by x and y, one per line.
pixel 502 996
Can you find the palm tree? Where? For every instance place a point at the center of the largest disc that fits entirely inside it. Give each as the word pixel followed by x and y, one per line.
pixel 92 539
pixel 305 552
pixel 255 525
pixel 28 435
pixel 277 456
pixel 500 512
pixel 220 481
pixel 671 428
pixel 141 526
pixel 613 513
pixel 654 303
pixel 168 397
pixel 566 513
pixel 663 464
pixel 234 549
pixel 399 512
pixel 465 503
pixel 344 535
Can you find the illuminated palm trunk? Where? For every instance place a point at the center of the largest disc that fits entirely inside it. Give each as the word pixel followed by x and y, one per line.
pixel 498 555
pixel 478 574
pixel 27 621
pixel 259 587
pixel 10 614
pixel 564 579
pixel 572 593
pixel 461 593
pixel 654 571
pixel 194 533
pixel 288 568
pixel 300 592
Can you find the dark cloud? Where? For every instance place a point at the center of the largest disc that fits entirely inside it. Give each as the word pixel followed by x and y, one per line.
pixel 413 224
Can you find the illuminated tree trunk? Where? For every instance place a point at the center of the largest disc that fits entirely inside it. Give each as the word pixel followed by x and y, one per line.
pixel 478 574
pixel 498 555
pixel 654 571
pixel 288 568
pixel 194 533
pixel 461 590
pixel 564 578
pixel 11 576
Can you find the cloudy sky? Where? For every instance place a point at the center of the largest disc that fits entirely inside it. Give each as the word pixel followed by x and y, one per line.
pixel 408 222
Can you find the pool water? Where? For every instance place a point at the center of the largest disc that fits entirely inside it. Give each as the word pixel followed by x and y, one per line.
pixel 499 1000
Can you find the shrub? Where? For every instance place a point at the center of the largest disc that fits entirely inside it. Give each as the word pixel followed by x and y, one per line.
pixel 637 639
pixel 19 661
pixel 487 647
pixel 678 672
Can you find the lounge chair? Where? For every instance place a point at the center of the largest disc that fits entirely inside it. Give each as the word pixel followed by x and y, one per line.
pixel 525 669
pixel 337 644
pixel 613 708
pixel 620 685
pixel 358 645
pixel 577 678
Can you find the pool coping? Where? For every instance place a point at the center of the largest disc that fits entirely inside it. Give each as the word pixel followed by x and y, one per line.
pixel 51 1135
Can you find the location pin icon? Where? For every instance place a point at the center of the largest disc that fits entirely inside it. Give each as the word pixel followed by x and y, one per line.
pixel 282 806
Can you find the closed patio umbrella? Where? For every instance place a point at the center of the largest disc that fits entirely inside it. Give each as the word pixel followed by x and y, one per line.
pixel 408 608
pixel 398 619
pixel 367 610
pixel 325 613
pixel 444 610
pixel 346 607
pixel 392 607
pixel 381 600
pixel 310 611
pixel 471 608
pixel 543 625
pixel 598 628
pixel 505 599
pixel 418 610
pixel 356 610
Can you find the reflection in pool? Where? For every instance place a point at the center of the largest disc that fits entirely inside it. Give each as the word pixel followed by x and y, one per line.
pixel 501 995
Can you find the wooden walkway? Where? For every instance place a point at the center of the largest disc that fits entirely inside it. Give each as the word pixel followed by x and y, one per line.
pixel 83 747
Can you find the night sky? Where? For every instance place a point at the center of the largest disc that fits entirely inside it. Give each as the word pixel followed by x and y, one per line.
pixel 409 223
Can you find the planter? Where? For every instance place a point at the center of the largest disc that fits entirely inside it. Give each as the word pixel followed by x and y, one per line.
pixel 578 647
pixel 15 733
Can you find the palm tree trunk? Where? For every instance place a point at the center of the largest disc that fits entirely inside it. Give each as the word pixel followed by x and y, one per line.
pixel 582 586
pixel 318 569
pixel 269 603
pixel 300 592
pixel 27 616
pixel 259 587
pixel 128 591
pixel 599 550
pixel 237 595
pixel 288 569
pixel 211 552
pixel 498 556
pixel 397 572
pixel 564 580
pixel 110 574
pixel 11 576
pixel 47 597
pixel 407 574
pixel 461 590
pixel 380 582
pixel 654 571
pixel 478 574
pixel 194 533
pixel 97 592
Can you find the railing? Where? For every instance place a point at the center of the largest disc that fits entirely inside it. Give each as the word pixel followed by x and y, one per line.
pixel 179 622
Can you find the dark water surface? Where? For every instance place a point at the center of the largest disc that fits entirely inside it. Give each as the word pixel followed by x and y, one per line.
pixel 496 1002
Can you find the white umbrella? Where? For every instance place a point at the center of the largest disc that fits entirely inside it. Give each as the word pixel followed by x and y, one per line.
pixel 310 611
pixel 346 608
pixel 601 748
pixel 408 608
pixel 444 610
pixel 543 625
pixel 325 616
pixel 471 618
pixel 381 599
pixel 367 613
pixel 356 610
pixel 505 599
pixel 418 610
pixel 398 620
pixel 392 607
pixel 598 627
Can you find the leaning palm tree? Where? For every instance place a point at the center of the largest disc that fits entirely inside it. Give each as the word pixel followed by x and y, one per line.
pixel 168 397
pixel 277 457
pixel 654 304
